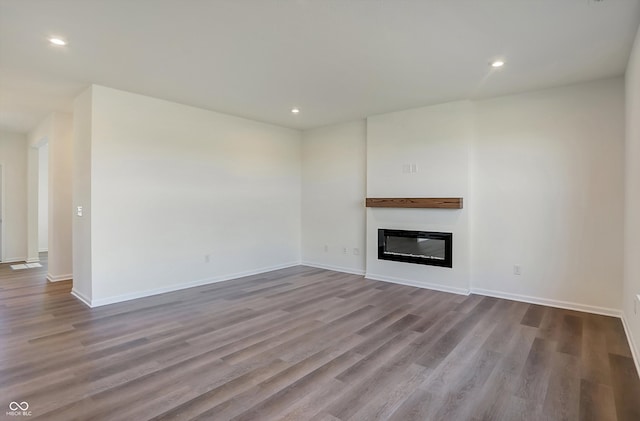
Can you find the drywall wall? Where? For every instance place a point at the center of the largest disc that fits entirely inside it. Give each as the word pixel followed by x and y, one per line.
pixel 81 188
pixel 333 191
pixel 547 194
pixel 60 265
pixel 43 198
pixel 422 152
pixel 541 174
pixel 631 306
pixel 181 196
pixel 56 132
pixel 13 159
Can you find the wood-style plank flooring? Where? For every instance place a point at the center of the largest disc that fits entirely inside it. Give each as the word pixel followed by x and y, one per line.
pixel 307 344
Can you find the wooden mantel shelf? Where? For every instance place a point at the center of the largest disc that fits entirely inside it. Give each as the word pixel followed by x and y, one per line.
pixel 415 202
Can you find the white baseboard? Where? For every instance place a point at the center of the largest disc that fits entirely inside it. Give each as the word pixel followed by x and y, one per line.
pixel 549 302
pixel 499 294
pixel 84 299
pixel 490 293
pixel 33 260
pixel 141 294
pixel 334 268
pixel 411 283
pixel 14 260
pixel 635 351
pixel 43 251
pixel 58 278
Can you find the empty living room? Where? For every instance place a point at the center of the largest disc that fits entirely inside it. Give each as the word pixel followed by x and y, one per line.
pixel 322 210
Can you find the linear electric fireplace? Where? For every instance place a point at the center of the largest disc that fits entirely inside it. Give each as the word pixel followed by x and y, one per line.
pixel 421 247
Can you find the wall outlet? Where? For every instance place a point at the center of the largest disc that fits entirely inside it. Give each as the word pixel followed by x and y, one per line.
pixel 326 248
pixel 344 250
pixel 207 258
pixel 517 270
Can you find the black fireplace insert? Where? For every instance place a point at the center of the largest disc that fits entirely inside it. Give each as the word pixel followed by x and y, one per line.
pixel 421 247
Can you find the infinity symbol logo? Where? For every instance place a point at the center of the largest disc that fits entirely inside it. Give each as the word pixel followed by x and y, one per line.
pixel 14 406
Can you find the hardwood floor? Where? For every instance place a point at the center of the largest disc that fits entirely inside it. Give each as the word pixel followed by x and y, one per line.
pixel 307 344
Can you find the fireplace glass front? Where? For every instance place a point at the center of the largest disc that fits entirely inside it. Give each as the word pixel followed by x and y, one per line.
pixel 421 247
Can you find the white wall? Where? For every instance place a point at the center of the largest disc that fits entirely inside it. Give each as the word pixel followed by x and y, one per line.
pixel 540 172
pixel 541 175
pixel 56 132
pixel 632 199
pixel 164 185
pixel 13 159
pixel 172 184
pixel 60 201
pixel 43 198
pixel 333 191
pixel 436 140
pixel 81 187
pixel 548 194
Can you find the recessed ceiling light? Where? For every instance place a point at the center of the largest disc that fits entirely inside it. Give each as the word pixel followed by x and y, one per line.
pixel 57 41
pixel 295 110
pixel 497 63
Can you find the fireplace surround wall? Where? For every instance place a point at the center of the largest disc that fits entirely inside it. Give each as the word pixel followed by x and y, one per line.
pixel 438 140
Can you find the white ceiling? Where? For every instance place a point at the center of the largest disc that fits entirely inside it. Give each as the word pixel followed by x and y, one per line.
pixel 337 60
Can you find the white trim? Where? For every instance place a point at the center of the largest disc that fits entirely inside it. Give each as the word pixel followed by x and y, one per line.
pixel 57 278
pixel 80 296
pixel 437 287
pixel 334 268
pixel 634 348
pixel 171 288
pixel 43 251
pixel 549 302
pixel 33 260
pixel 14 260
